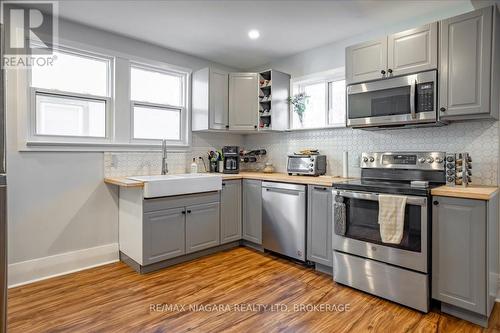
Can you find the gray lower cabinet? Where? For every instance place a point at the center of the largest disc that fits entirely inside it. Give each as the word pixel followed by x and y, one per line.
pixel 464 258
pixel 164 235
pixel 252 211
pixel 468 69
pixel 319 225
pixel 202 227
pixel 230 211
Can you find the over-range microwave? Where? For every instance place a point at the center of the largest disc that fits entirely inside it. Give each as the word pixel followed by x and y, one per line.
pixel 409 100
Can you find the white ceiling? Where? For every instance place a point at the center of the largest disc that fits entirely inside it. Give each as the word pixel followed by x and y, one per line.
pixel 217 30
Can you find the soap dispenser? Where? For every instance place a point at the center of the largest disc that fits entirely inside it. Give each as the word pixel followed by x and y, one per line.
pixel 194 166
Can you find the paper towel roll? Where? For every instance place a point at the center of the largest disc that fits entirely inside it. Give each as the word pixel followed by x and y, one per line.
pixel 345 165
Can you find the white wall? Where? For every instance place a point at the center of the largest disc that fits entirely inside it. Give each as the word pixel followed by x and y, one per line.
pixel 57 201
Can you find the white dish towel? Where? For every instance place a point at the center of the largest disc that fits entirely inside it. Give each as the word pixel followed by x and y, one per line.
pixel 391 217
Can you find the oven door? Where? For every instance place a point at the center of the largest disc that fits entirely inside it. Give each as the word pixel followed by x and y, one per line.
pixel 409 99
pixel 356 230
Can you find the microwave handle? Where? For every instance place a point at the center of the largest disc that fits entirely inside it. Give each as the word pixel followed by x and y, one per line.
pixel 412 99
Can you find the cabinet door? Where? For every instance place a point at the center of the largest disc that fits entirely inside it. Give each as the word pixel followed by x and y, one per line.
pixel 164 235
pixel 202 227
pixel 230 211
pixel 243 101
pixel 219 99
pixel 252 210
pixel 413 50
pixel 366 61
pixel 459 253
pixel 465 64
pixel 319 225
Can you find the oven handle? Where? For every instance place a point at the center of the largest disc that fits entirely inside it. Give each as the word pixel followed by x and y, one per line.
pixel 411 200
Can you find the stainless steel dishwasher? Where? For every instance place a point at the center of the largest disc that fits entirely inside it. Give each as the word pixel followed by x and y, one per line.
pixel 284 219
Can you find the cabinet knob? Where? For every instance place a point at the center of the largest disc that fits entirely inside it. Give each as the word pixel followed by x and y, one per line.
pixel 389 71
pixel 184 212
pixel 227 126
pixel 443 109
pixel 436 202
pixel 382 72
pixel 189 211
pixel 255 126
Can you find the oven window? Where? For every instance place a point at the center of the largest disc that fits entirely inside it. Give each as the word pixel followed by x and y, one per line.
pixel 362 224
pixel 387 102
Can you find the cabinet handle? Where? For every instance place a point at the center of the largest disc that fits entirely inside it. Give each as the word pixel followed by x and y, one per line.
pixel 436 202
pixel 227 126
pixel 184 212
pixel 382 72
pixel 389 71
pixel 189 211
pixel 223 184
pixel 255 126
pixel 320 188
pixel 443 109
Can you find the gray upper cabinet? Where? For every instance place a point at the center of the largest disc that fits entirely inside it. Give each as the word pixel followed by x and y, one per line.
pixel 459 253
pixel 230 211
pixel 163 235
pixel 366 61
pixel 466 74
pixel 202 226
pixel 319 225
pixel 243 101
pixel 413 50
pixel 252 210
pixel 210 99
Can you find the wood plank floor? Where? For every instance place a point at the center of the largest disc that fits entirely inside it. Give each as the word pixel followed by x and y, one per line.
pixel 113 298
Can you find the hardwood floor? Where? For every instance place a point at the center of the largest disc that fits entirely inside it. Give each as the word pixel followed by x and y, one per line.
pixel 113 298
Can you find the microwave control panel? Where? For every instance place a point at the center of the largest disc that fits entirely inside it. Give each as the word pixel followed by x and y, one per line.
pixel 425 97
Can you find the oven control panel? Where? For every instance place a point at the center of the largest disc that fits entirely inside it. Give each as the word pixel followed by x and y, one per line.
pixel 404 160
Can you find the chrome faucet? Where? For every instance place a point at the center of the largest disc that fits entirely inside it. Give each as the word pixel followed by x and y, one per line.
pixel 164 164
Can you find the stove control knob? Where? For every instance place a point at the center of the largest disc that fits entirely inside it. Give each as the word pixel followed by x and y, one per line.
pixel 439 160
pixel 450 159
pixel 372 159
pixel 430 160
pixel 312 159
pixel 421 160
pixel 365 159
pixel 311 165
pixel 311 169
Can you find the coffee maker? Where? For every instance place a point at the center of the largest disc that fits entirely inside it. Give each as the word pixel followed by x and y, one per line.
pixel 231 159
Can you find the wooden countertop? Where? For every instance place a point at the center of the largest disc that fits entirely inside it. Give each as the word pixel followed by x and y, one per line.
pixel 277 177
pixel 478 192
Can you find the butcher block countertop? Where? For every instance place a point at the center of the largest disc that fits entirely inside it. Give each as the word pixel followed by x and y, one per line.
pixel 478 192
pixel 275 177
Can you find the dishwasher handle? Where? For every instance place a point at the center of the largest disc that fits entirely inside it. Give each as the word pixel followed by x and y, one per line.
pixel 283 191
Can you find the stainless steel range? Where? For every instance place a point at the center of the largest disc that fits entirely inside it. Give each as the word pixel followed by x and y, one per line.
pixel 398 272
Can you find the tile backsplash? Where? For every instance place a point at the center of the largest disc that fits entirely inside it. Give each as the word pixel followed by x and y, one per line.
pixel 479 138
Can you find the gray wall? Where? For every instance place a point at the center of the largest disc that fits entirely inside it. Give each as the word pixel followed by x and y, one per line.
pixel 57 200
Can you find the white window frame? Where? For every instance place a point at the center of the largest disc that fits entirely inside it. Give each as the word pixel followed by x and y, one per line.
pixel 325 77
pixel 34 137
pixel 183 109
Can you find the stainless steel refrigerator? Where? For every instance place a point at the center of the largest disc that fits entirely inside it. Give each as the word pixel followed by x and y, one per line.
pixel 3 196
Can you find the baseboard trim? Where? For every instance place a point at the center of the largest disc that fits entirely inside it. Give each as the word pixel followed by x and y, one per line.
pixel 30 271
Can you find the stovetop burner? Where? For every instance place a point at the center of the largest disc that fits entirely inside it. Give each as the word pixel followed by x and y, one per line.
pixel 379 186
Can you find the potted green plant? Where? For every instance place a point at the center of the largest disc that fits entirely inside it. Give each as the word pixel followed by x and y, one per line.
pixel 299 105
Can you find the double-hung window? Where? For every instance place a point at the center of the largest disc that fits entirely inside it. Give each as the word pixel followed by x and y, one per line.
pixel 70 99
pixel 324 102
pixel 158 104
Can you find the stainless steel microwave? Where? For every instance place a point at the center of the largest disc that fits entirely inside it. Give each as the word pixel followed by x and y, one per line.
pixel 393 102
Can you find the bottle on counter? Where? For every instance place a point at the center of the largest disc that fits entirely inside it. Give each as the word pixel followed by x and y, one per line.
pixel 194 166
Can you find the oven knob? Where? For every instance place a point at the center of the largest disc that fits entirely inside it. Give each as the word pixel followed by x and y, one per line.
pixel 439 160
pixel 421 160
pixel 430 160
pixel 365 159
pixel 450 158
pixel 450 172
pixel 450 165
pixel 311 169
pixel 312 159
pixel 372 159
pixel 311 165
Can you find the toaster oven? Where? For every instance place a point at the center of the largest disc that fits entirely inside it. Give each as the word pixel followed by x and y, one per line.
pixel 310 165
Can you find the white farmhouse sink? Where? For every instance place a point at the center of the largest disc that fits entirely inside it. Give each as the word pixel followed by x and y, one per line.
pixel 184 183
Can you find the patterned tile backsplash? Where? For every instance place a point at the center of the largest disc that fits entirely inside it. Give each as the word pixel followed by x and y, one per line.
pixel 480 138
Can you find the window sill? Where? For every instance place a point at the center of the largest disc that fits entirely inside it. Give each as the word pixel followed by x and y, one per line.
pixel 316 128
pixel 51 146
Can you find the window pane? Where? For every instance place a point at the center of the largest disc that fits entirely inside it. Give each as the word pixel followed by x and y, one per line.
pixel 59 115
pixel 156 123
pixel 73 73
pixel 155 87
pixel 336 114
pixel 315 111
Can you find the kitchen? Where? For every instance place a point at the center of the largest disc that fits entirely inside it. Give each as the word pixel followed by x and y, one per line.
pixel 214 193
